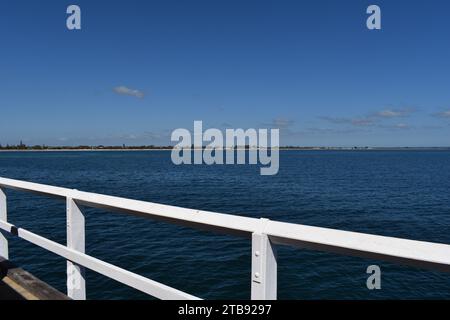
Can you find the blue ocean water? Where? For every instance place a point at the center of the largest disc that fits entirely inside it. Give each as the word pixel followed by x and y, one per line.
pixel 392 193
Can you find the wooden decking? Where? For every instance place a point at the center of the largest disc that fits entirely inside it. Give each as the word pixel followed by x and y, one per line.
pixel 17 284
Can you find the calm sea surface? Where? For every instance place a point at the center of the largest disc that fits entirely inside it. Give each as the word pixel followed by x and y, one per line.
pixel 393 193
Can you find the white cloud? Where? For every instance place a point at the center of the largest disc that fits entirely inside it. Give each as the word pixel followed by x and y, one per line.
pixel 444 114
pixel 389 113
pixel 129 92
pixel 282 122
pixel 359 122
pixel 279 123
pixel 372 119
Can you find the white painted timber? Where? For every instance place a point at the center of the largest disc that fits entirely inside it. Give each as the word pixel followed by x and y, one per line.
pixel 212 221
pixel 3 217
pixel 34 187
pixel 76 283
pixel 264 268
pixel 5 226
pixel 411 252
pixel 128 278
pixel 264 234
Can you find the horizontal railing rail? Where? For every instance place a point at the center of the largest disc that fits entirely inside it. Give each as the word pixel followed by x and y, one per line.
pixel 264 233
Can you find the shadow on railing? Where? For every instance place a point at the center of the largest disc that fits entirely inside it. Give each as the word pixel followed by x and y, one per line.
pixel 263 233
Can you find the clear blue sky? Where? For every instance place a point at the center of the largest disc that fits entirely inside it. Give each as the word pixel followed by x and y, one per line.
pixel 311 68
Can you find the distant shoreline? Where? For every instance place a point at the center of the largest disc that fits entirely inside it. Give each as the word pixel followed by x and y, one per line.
pixel 281 149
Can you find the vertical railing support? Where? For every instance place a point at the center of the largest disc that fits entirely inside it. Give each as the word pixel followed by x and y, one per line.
pixel 3 216
pixel 76 283
pixel 264 266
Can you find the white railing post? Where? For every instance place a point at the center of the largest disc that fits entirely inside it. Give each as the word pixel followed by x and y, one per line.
pixel 264 266
pixel 3 217
pixel 76 283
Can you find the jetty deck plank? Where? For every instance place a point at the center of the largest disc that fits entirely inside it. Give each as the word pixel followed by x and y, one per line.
pixel 7 293
pixel 18 284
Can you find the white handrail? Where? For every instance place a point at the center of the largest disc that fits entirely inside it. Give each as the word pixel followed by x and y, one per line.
pixel 131 279
pixel 264 233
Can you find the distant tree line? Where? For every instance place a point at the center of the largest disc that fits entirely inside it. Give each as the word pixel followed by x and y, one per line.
pixel 22 146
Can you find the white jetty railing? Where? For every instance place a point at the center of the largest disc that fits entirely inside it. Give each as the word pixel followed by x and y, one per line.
pixel 264 234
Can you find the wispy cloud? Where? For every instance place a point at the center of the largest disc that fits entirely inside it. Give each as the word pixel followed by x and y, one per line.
pixel 360 122
pixel 396 126
pixel 318 130
pixel 122 90
pixel 371 120
pixel 280 123
pixel 130 138
pixel 394 113
pixel 147 135
pixel 401 126
pixel 226 125
pixel 443 114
